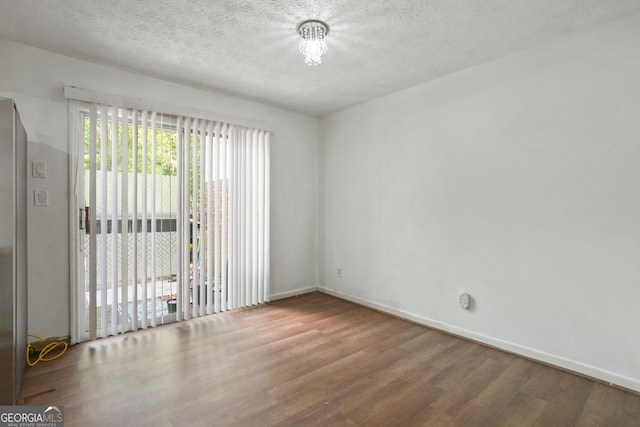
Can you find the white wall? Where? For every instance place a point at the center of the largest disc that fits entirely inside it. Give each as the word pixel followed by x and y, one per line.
pixel 517 181
pixel 35 78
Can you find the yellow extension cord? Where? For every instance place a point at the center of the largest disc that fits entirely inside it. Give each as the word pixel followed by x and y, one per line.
pixel 45 350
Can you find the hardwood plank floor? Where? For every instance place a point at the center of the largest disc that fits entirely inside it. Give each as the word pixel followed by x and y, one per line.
pixel 314 360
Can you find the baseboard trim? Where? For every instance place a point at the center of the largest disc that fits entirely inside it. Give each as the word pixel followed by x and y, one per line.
pixel 598 374
pixel 293 293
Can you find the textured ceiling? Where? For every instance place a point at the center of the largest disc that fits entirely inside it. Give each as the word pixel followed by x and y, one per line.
pixel 249 47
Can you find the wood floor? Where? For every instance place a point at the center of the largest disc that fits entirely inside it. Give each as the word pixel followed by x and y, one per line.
pixel 314 360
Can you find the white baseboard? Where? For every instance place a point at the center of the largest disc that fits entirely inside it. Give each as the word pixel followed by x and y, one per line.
pixel 293 293
pixel 551 359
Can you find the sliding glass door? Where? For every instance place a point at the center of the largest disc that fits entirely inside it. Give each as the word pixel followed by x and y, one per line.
pixel 172 218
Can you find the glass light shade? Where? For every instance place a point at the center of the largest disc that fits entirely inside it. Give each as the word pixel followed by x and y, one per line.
pixel 313 44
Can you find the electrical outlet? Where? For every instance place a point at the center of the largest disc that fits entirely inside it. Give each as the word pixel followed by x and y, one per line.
pixel 339 271
pixel 464 300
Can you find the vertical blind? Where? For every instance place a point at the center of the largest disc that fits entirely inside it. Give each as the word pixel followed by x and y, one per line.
pixel 176 223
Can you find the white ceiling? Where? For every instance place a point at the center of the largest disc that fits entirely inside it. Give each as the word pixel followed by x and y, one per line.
pixel 249 47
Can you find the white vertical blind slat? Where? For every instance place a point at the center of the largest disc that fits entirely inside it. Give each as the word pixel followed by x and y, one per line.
pixel 234 220
pixel 180 276
pixel 186 143
pixel 103 221
pixel 267 215
pixel 154 161
pixel 248 217
pixel 223 207
pixel 93 223
pixel 211 288
pixel 203 229
pixel 239 221
pixel 194 211
pixel 224 281
pixel 124 254
pixel 144 205
pixel 114 219
pixel 254 217
pixel 260 214
pixel 134 219
pixel 215 182
pixel 243 220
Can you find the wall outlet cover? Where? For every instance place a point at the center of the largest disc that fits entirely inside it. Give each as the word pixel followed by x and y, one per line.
pixel 465 300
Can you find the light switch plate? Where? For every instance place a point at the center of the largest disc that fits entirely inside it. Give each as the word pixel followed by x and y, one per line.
pixel 41 198
pixel 39 169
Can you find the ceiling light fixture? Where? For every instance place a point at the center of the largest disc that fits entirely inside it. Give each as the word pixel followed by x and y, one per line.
pixel 313 44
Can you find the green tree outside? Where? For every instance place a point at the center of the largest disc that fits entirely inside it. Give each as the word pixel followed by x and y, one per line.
pixel 166 149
